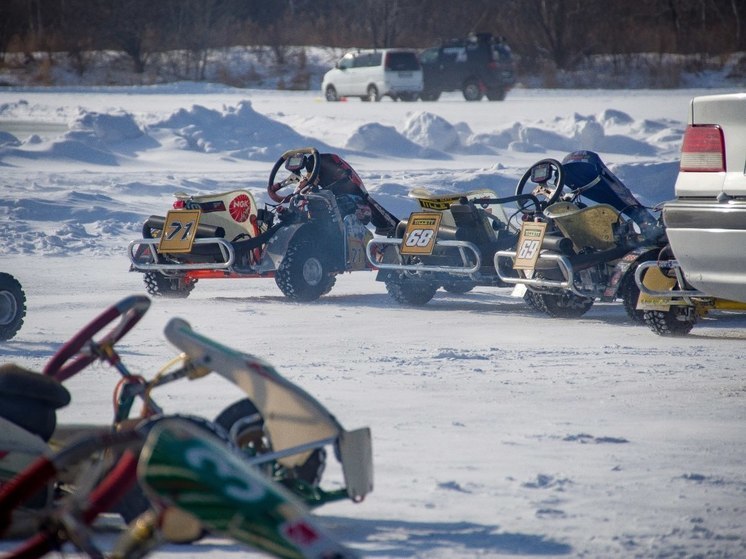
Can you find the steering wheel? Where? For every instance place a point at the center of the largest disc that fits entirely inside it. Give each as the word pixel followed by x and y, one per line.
pixel 548 178
pixel 81 350
pixel 297 162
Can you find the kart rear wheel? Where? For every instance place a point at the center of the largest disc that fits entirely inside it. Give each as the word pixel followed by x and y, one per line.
pixel 304 275
pixel 12 306
pixel 245 425
pixel 563 305
pixel 630 293
pixel 677 321
pixel 158 285
pixel 530 299
pixel 411 291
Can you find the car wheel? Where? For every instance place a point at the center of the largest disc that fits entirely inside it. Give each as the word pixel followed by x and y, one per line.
pixel 496 94
pixel 331 93
pixel 430 95
pixel 373 94
pixel 408 97
pixel 472 91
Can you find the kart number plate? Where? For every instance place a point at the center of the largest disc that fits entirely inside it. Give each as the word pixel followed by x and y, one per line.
pixel 421 233
pixel 179 231
pixel 529 245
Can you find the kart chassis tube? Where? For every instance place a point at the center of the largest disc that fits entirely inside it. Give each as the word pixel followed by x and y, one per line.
pixel 674 265
pixel 226 250
pixel 563 263
pixel 460 270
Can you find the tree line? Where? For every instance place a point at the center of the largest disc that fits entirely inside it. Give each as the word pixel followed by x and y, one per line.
pixel 561 33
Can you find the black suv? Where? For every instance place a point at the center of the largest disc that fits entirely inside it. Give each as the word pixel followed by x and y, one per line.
pixel 478 65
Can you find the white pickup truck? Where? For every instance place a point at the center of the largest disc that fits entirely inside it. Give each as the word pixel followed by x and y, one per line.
pixel 706 223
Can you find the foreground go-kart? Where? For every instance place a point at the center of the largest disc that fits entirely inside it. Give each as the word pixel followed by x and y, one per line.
pixel 12 306
pixel 670 305
pixel 277 433
pixel 571 254
pixel 310 235
pixel 450 243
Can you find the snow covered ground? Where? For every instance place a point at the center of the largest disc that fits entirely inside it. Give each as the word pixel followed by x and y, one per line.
pixel 497 431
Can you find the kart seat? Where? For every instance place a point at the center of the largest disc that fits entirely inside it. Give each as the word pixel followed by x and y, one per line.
pixel 473 225
pixel 592 226
pixel 30 399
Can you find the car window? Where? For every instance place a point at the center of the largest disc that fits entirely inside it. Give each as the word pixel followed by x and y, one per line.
pixel 402 61
pixel 346 61
pixel 429 56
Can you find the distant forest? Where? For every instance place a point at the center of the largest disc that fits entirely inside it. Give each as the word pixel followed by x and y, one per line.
pixel 560 33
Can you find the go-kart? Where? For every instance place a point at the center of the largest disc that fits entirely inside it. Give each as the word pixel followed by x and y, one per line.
pixel 64 477
pixel 303 240
pixel 449 243
pixel 670 305
pixel 12 306
pixel 585 242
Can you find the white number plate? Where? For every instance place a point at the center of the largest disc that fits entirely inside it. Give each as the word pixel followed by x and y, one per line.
pixel 529 245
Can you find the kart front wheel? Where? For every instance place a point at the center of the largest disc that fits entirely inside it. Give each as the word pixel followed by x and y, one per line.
pixel 158 285
pixel 459 287
pixel 563 305
pixel 411 291
pixel 12 306
pixel 304 275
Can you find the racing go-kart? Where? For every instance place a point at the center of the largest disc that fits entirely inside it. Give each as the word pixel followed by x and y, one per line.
pixel 249 474
pixel 307 237
pixel 572 253
pixel 450 243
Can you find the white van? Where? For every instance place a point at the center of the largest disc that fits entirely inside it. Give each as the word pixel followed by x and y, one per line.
pixel 371 74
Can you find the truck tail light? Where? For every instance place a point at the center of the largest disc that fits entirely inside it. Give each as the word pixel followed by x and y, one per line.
pixel 703 149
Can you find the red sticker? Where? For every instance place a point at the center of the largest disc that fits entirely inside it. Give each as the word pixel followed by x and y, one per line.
pixel 240 208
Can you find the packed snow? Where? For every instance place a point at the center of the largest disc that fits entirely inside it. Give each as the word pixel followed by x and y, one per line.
pixel 497 431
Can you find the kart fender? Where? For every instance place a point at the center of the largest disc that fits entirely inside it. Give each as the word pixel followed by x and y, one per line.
pixel 277 247
pixel 626 265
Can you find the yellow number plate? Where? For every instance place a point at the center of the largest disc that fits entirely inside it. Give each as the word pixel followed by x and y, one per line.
pixel 529 245
pixel 179 231
pixel 421 233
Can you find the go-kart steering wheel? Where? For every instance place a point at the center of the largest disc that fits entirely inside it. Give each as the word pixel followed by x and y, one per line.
pixel 81 350
pixel 298 162
pixel 547 176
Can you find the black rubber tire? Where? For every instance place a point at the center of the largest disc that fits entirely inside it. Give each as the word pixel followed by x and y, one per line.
pixel 373 93
pixel 407 97
pixel 471 91
pixel 309 472
pixel 430 95
pixel 12 306
pixel 459 287
pixel 530 299
pixel 629 293
pixel 564 305
pixel 158 285
pixel 331 94
pixel 411 291
pixel 496 94
pixel 304 273
pixel 667 323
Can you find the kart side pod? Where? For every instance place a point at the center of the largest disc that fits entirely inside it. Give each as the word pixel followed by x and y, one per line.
pixel 296 422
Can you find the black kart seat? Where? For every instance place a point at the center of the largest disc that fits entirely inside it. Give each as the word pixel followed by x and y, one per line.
pixel 30 399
